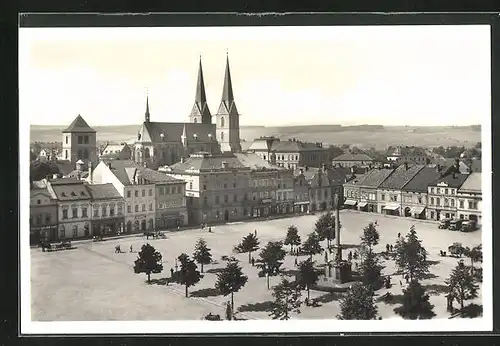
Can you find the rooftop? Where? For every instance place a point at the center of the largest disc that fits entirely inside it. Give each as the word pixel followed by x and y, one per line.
pixel 375 177
pixel 353 157
pixel 72 190
pixel 158 132
pixel 207 162
pixel 472 183
pixel 255 162
pixel 401 176
pixel 422 179
pixel 103 191
pixel 126 170
pixel 79 125
pixel 452 180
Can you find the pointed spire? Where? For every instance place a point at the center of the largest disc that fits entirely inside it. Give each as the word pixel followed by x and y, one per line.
pixel 227 90
pixel 200 86
pixel 147 115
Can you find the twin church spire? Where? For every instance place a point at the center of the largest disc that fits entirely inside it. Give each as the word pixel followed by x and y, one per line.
pixel 201 112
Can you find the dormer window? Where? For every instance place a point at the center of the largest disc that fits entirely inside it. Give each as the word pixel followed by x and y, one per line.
pixel 63 194
pixel 82 193
pixel 210 136
pixel 195 136
pixel 162 136
pixel 73 193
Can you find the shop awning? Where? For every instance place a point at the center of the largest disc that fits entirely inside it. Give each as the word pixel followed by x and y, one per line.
pixel 350 202
pixel 362 204
pixel 417 210
pixel 391 206
pixel 302 203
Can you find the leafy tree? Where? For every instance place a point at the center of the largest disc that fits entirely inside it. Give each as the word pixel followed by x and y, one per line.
pixel 462 285
pixel 475 254
pixel 231 280
pixel 416 303
pixel 33 156
pixel 189 274
pixel 371 270
pixel 292 237
pixel 370 236
pixel 41 169
pixel 287 299
pixel 202 253
pixel 411 256
pixel 358 304
pixel 307 275
pixel 249 244
pixel 325 227
pixel 271 259
pixel 148 261
pixel 312 246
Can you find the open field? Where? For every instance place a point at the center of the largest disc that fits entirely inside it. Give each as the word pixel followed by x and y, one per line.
pixel 378 138
pixel 93 283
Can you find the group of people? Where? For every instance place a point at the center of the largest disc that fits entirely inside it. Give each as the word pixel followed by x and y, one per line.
pixel 118 249
pixel 204 225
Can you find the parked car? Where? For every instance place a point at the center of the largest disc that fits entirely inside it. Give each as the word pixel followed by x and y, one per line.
pixel 455 225
pixel 444 223
pixel 469 226
pixel 456 250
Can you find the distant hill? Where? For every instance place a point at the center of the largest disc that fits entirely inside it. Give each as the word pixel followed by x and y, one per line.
pixel 364 136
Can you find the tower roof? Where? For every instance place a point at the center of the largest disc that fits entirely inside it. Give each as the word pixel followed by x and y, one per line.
pixel 227 90
pixel 79 125
pixel 201 96
pixel 146 114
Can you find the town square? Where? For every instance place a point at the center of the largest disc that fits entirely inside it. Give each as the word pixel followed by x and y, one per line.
pixel 95 283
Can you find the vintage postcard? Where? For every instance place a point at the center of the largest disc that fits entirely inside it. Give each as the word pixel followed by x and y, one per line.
pixel 255 179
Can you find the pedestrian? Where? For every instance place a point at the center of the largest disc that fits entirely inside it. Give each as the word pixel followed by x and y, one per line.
pixel 253 262
pixel 400 283
pixel 387 247
pixel 255 233
pixel 171 272
pixel 399 235
pixel 209 229
pixel 407 278
pixel 391 248
pixel 178 227
pixel 296 263
pixel 376 223
pixel 349 256
pixel 131 249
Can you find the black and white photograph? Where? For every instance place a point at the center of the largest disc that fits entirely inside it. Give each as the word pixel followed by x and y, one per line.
pixel 255 179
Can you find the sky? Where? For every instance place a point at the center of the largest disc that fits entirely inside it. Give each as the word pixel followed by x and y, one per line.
pixel 389 75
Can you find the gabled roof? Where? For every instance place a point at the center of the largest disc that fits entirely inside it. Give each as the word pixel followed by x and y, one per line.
pixel 70 190
pixel 172 132
pixel 40 191
pixel 79 125
pixel 126 170
pixel 353 157
pixel 207 163
pixel 256 163
pixel 401 176
pixel 472 183
pixel 453 180
pixel 375 177
pixel 103 191
pixel 295 146
pixel 263 144
pixel 422 179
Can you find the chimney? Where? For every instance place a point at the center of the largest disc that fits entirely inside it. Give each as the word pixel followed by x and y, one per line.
pixel 182 159
pixel 453 175
pixel 224 164
pixel 406 165
pixel 457 165
pixel 91 179
pixel 109 165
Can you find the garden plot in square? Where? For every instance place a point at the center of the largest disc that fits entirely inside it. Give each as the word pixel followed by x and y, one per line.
pixel 93 283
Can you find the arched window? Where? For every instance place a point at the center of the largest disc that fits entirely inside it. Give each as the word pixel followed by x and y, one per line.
pixel 222 123
pixel 85 153
pixel 222 136
pixel 147 154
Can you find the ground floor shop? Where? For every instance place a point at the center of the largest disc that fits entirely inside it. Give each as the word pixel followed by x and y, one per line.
pixel 108 227
pixel 170 219
pixel 301 207
pixel 284 208
pixel 391 209
pixel 140 223
pixel 416 212
pixel 350 204
pixel 46 233
pixel 440 214
pixel 470 215
pixel 74 230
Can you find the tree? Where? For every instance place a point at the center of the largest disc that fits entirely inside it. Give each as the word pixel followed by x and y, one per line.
pixel 148 261
pixel 416 305
pixel 271 259
pixel 462 285
pixel 358 304
pixel 202 253
pixel 325 227
pixel 312 246
pixel 292 237
pixel 371 270
pixel 231 280
pixel 41 169
pixel 478 145
pixel 249 244
pixel 307 275
pixel 189 275
pixel 411 256
pixel 33 156
pixel 370 236
pixel 475 254
pixel 286 300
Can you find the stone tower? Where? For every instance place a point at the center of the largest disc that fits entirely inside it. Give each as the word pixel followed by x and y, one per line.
pixel 79 142
pixel 200 112
pixel 228 119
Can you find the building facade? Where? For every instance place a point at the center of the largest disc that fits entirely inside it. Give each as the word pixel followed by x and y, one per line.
pixel 442 196
pixel 301 192
pixel 368 187
pixel 79 142
pixel 469 198
pixel 43 215
pixel 414 194
pixel 108 210
pixel 217 187
pixel 74 207
pixel 352 160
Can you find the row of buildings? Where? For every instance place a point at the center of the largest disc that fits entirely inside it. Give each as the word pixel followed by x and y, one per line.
pixel 420 191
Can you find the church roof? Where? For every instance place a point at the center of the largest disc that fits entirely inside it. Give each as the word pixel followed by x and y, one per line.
pixel 172 132
pixel 208 163
pixel 79 125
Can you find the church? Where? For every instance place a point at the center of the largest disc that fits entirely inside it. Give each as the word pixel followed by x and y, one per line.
pixel 161 143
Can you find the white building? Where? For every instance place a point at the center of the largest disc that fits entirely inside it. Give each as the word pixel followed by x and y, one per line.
pixel 470 198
